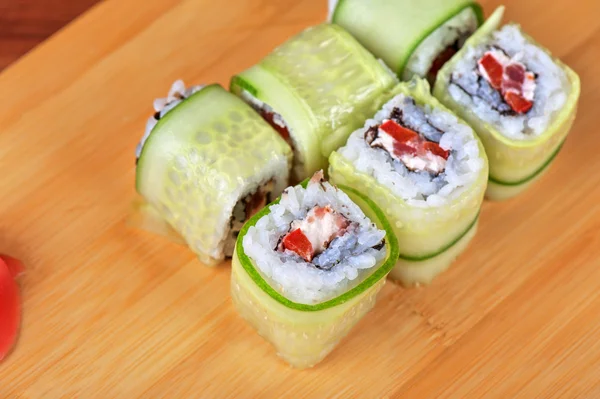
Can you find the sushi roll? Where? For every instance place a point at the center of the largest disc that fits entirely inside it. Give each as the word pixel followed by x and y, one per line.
pixel 314 89
pixel 519 99
pixel 308 267
pixel 426 169
pixel 206 164
pixel 412 37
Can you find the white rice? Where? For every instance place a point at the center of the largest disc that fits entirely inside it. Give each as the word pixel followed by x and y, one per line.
pixel 460 26
pixel 298 280
pixel 550 94
pixel 420 189
pixel 177 93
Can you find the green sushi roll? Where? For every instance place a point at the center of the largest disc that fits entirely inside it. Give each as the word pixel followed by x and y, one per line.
pixel 519 99
pixel 206 164
pixel 307 268
pixel 412 37
pixel 426 169
pixel 314 89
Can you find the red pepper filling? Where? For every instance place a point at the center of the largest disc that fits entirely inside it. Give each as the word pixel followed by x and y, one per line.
pixel 283 131
pixel 297 242
pixel 511 78
pixel 311 236
pixel 408 147
pixel 410 142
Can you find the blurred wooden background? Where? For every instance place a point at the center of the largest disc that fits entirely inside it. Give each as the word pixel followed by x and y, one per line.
pixel 26 23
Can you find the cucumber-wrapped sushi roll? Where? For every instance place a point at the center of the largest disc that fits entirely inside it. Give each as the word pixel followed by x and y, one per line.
pixel 206 164
pixel 307 268
pixel 412 37
pixel 315 89
pixel 426 169
pixel 520 101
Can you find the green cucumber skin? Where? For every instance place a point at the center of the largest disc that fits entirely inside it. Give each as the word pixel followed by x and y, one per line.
pixel 512 162
pixel 392 30
pixel 380 273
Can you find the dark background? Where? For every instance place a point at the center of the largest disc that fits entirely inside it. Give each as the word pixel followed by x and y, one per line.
pixel 26 23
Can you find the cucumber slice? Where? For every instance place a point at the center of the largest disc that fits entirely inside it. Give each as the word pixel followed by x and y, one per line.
pixel 304 334
pixel 412 273
pixel 323 84
pixel 392 30
pixel 499 190
pixel 263 86
pixel 424 234
pixel 514 164
pixel 199 159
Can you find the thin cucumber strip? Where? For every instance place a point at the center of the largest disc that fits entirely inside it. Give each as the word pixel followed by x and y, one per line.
pixel 392 30
pixel 411 273
pixel 531 177
pixel 441 250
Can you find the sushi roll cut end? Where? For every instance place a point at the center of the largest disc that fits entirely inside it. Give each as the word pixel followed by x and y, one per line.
pixel 309 266
pixel 442 44
pixel 427 169
pixel 207 163
pixel 520 100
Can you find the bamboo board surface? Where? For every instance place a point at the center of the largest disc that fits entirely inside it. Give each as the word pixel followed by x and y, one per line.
pixel 113 312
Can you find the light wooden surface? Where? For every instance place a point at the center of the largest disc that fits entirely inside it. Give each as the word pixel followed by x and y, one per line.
pixel 112 312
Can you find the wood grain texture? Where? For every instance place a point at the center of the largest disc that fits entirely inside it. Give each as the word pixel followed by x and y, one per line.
pixel 112 312
pixel 26 23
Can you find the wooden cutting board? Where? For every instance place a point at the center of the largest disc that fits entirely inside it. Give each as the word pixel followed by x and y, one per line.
pixel 114 312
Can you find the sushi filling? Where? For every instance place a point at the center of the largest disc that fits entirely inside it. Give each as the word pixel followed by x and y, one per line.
pixel 510 82
pixel 244 209
pixel 162 106
pixel 441 45
pixel 404 145
pixel 310 236
pixel 513 84
pixel 315 243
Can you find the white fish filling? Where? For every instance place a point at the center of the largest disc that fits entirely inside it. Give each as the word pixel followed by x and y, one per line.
pixel 162 106
pixel 456 29
pixel 301 281
pixel 422 189
pixel 551 85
